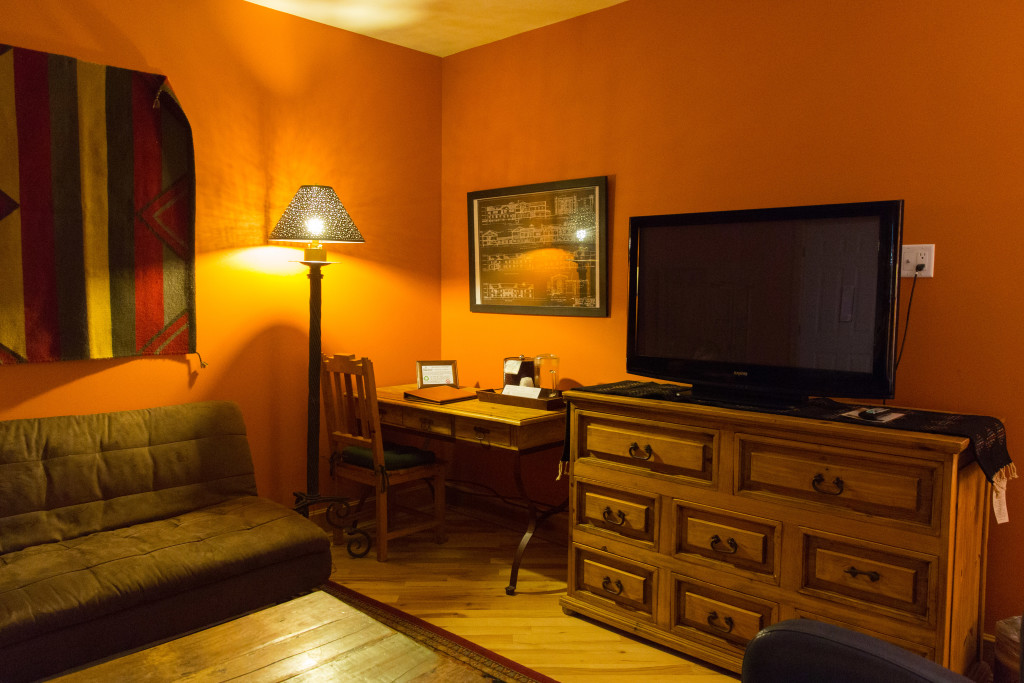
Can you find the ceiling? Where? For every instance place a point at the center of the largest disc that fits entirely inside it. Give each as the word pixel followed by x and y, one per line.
pixel 437 27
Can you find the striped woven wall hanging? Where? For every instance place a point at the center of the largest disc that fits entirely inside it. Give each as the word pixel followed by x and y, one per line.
pixel 97 212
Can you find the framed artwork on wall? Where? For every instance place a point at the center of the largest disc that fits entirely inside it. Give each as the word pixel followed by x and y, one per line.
pixel 540 249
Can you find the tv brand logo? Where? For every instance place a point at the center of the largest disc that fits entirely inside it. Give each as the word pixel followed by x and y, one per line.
pixel 739 373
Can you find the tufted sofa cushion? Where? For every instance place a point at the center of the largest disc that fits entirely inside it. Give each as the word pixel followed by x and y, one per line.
pixel 44 587
pixel 64 477
pixel 118 529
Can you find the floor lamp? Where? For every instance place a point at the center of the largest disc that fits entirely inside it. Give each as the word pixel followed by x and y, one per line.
pixel 315 216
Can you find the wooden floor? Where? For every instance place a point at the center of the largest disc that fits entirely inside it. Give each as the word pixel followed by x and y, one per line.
pixel 460 586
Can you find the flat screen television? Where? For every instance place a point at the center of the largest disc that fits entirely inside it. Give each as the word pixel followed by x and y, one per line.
pixel 767 305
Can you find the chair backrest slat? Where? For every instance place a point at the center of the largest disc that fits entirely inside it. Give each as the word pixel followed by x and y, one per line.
pixel 350 404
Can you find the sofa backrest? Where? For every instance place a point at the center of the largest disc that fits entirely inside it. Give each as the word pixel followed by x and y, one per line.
pixel 65 477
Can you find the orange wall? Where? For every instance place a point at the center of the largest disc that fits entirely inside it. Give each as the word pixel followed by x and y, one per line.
pixel 274 102
pixel 684 105
pixel 692 105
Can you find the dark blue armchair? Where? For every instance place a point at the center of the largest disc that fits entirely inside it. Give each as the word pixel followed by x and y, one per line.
pixel 808 651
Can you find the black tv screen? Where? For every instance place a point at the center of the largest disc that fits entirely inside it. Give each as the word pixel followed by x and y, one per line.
pixel 778 303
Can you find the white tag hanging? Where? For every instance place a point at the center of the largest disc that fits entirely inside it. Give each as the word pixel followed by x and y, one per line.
pixel 999 493
pixel 999 503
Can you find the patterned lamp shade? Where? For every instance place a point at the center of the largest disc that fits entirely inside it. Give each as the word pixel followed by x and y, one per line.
pixel 315 215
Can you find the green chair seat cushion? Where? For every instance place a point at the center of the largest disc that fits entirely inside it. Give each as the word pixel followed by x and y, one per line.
pixel 396 457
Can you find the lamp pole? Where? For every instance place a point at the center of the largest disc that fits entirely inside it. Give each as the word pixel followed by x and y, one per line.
pixel 311 496
pixel 313 403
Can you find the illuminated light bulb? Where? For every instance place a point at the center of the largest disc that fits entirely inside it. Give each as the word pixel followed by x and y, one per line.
pixel 315 225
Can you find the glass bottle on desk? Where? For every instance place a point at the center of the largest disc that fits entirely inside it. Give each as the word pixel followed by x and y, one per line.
pixel 546 373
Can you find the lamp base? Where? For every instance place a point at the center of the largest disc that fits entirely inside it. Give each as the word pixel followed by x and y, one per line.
pixel 304 501
pixel 359 541
pixel 315 254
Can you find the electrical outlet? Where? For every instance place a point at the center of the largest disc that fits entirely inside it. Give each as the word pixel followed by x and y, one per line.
pixel 919 259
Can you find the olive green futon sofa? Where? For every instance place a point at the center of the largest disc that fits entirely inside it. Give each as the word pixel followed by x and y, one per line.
pixel 121 529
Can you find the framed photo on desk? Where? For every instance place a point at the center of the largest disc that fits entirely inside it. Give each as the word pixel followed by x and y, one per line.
pixel 436 373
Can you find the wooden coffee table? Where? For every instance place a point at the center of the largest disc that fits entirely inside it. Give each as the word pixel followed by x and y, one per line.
pixel 315 636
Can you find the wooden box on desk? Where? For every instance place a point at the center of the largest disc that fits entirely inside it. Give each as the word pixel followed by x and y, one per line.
pixel 542 403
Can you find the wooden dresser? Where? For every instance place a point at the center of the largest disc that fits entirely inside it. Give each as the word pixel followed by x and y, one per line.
pixel 696 526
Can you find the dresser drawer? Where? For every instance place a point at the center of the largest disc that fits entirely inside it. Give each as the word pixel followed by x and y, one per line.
pixel 867 573
pixel 608 578
pixel 841 479
pixel 719 613
pixel 926 651
pixel 483 432
pixel 658 448
pixel 743 541
pixel 628 514
pixel 427 421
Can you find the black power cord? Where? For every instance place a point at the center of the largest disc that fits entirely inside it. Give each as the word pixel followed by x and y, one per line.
pixel 906 325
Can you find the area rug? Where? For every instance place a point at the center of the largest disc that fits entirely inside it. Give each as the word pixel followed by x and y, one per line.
pixel 490 664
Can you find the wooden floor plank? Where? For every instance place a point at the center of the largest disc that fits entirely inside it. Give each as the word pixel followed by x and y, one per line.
pixel 460 587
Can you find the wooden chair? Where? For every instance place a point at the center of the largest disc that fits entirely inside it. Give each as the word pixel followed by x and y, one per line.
pixel 359 454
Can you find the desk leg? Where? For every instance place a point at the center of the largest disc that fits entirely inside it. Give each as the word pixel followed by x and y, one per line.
pixel 536 519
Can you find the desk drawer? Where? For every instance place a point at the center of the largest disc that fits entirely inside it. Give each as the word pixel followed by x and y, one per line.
pixel 390 415
pixel 427 421
pixel 483 432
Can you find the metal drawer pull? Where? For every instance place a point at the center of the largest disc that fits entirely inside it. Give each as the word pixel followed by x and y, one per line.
pixel 837 482
pixel 607 585
pixel 716 540
pixel 634 451
pixel 618 517
pixel 854 572
pixel 725 625
pixel 426 423
pixel 481 433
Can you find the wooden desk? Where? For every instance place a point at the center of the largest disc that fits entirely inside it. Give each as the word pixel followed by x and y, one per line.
pixel 490 425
